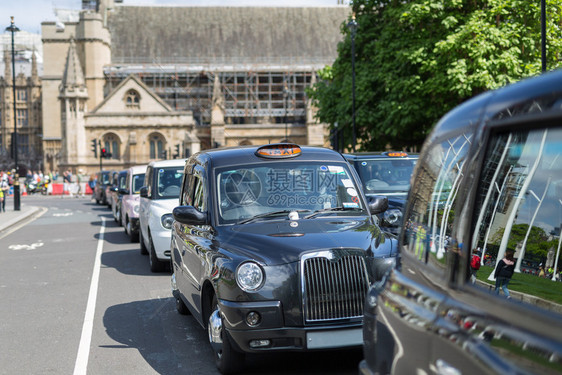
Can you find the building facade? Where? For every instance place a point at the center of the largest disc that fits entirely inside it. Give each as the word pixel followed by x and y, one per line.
pixel 160 82
pixel 28 114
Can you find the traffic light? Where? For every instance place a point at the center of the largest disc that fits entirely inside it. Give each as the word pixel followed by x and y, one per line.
pixel 177 151
pixel 95 147
pixel 105 153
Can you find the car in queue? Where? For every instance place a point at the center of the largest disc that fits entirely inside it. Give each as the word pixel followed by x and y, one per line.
pixel 273 249
pixel 103 180
pixel 158 196
pixel 489 180
pixel 388 174
pixel 110 188
pixel 130 201
pixel 118 184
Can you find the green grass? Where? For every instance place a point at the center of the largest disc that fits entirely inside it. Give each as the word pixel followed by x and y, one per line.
pixel 528 284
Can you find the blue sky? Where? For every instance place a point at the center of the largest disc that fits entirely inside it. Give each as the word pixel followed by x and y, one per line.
pixel 28 14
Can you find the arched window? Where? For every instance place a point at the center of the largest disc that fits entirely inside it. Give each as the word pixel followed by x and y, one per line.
pixel 157 146
pixel 111 143
pixel 132 99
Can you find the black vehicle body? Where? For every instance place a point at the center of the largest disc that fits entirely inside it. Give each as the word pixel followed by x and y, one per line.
pixel 393 182
pixel 473 183
pixel 207 254
pixel 103 182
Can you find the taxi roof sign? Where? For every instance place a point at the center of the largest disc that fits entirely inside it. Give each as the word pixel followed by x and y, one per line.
pixel 396 154
pixel 279 151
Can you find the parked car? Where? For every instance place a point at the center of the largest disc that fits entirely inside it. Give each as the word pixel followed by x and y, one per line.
pixel 388 174
pixel 486 160
pixel 118 184
pixel 109 188
pixel 130 199
pixel 273 249
pixel 158 196
pixel 103 180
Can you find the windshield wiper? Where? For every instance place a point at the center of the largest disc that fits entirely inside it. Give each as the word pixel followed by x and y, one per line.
pixel 332 209
pixel 269 214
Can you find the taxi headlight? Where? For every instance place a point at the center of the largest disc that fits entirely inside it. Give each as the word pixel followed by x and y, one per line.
pixel 249 276
pixel 136 209
pixel 393 216
pixel 167 221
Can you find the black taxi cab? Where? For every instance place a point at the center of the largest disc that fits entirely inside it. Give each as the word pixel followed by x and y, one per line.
pixel 488 182
pixel 386 174
pixel 273 248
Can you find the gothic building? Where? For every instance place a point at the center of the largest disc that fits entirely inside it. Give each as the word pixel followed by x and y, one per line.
pixel 28 119
pixel 160 82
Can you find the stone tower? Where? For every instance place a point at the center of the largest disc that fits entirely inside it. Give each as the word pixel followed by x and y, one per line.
pixel 73 96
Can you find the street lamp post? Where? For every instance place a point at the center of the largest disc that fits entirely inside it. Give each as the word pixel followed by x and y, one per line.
pixel 352 26
pixel 12 28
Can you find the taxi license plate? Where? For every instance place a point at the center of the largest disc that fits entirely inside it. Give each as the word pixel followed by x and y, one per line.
pixel 334 339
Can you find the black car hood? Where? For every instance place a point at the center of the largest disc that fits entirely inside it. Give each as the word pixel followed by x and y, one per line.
pixel 274 242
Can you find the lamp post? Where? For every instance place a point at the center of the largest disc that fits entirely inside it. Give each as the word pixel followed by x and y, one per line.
pixel 352 26
pixel 12 28
pixel 543 35
pixel 286 104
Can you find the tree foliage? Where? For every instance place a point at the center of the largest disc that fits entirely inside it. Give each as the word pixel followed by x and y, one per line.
pixel 416 60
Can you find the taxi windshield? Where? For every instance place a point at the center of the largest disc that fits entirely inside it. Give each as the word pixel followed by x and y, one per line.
pixel 269 190
pixel 386 176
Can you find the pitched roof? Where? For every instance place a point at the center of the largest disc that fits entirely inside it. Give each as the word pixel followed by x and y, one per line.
pixel 232 35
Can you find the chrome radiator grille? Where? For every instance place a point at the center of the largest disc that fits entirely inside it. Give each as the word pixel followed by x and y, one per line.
pixel 333 289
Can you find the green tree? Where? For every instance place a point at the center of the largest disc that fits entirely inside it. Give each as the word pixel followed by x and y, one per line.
pixel 537 245
pixel 416 60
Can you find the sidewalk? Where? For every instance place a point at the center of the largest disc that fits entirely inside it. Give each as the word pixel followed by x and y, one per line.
pixel 11 217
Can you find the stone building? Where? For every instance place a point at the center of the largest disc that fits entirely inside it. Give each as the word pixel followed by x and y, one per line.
pixel 27 48
pixel 161 82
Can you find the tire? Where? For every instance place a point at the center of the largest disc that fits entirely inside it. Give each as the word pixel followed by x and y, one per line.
pixel 143 249
pixel 228 360
pixel 181 307
pixel 155 264
pixel 133 237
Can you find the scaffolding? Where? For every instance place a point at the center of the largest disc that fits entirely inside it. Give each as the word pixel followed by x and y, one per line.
pixel 272 95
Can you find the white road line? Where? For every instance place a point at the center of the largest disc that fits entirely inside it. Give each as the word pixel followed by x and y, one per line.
pixel 81 364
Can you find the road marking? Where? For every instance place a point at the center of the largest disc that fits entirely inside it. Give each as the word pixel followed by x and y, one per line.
pixel 33 246
pixel 63 214
pixel 81 364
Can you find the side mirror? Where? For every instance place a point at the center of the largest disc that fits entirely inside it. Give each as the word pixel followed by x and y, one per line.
pixel 123 191
pixel 189 215
pixel 377 204
pixel 115 189
pixel 144 192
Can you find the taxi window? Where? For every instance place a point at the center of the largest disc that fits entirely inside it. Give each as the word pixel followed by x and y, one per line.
pixel 518 213
pixel 390 177
pixel 246 191
pixel 168 181
pixel 427 228
pixel 138 181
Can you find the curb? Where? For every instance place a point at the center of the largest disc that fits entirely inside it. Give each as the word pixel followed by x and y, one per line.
pixel 30 212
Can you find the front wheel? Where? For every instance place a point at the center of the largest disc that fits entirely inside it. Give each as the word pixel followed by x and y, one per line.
pixel 155 264
pixel 227 359
pixel 143 249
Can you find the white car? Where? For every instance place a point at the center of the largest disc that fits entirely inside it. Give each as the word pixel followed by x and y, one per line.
pixel 130 201
pixel 158 197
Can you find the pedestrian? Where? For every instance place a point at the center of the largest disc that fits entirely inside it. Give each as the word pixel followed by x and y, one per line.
pixel 4 189
pixel 474 265
pixel 64 184
pixel 504 271
pixel 541 272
